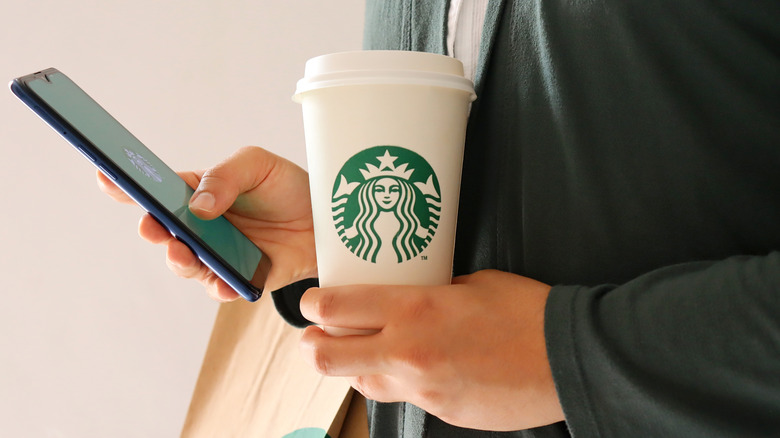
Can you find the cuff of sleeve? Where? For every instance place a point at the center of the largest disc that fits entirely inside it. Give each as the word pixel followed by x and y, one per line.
pixel 288 302
pixel 565 359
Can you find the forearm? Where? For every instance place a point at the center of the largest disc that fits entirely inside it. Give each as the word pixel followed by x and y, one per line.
pixel 693 347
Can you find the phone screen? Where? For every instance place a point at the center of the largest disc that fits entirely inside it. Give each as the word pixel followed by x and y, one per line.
pixel 126 153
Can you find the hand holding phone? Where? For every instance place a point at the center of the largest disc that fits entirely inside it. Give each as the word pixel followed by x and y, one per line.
pixel 262 185
pixel 284 233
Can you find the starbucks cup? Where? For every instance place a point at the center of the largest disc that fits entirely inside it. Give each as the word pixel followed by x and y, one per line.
pixel 384 133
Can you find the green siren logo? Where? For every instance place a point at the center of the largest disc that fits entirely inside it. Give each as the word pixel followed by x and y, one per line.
pixel 386 204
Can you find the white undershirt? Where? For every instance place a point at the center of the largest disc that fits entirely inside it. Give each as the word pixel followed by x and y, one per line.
pixel 465 21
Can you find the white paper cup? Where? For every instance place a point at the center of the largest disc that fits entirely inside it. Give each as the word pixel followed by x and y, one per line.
pixel 384 140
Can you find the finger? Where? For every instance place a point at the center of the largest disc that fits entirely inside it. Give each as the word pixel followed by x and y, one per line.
pixel 218 290
pixel 108 187
pixel 220 186
pixel 342 356
pixel 357 307
pixel 191 178
pixel 151 230
pixel 184 263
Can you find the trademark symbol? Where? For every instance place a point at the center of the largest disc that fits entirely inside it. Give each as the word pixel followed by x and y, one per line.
pixel 424 257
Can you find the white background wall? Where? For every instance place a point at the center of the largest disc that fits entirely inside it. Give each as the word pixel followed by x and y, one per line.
pixel 97 337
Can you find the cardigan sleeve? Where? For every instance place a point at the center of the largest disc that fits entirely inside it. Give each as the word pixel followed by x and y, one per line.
pixel 288 301
pixel 690 350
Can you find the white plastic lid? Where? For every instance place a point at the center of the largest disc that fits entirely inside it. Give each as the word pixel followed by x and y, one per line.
pixel 383 67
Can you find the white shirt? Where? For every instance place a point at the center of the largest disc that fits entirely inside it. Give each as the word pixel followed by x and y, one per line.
pixel 465 21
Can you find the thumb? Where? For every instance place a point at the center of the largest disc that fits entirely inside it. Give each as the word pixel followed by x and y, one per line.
pixel 221 185
pixel 216 192
pixel 204 204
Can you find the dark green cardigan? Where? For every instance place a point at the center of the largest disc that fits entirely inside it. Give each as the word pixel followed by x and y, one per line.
pixel 627 151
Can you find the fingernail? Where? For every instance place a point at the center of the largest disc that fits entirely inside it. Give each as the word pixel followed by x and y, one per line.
pixel 203 201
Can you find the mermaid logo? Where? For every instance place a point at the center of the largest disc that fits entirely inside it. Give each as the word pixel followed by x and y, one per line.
pixel 386 204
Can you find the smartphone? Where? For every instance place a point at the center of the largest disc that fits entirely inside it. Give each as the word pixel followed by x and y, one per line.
pixel 144 177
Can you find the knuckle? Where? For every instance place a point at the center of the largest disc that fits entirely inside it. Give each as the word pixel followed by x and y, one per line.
pixel 368 387
pixel 213 176
pixel 313 352
pixel 248 150
pixel 421 359
pixel 179 270
pixel 438 401
pixel 417 307
pixel 431 399
pixel 220 291
pixel 320 361
pixel 323 306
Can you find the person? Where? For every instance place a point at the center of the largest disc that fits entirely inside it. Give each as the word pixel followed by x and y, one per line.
pixel 618 271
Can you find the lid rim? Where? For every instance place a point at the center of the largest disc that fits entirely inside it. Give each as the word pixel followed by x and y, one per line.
pixel 385 77
pixel 364 67
pixel 298 96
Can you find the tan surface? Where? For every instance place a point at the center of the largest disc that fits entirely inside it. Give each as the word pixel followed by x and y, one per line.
pixel 356 423
pixel 253 382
